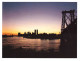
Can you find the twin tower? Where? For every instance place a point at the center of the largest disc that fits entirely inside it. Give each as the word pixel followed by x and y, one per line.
pixel 36 31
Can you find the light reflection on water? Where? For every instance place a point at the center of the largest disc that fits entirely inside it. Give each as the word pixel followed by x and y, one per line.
pixel 36 44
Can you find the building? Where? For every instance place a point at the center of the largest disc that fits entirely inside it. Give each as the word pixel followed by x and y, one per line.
pixel 36 32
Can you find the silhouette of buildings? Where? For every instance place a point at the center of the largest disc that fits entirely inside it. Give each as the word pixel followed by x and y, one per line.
pixel 29 33
pixel 36 32
pixel 36 35
pixel 25 33
pixel 19 34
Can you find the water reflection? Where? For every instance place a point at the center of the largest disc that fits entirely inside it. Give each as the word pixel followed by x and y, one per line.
pixel 36 44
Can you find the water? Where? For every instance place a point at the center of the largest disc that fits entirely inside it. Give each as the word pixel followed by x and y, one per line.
pixel 37 44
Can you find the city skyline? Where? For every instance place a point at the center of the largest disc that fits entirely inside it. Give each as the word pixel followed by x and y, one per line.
pixel 35 31
pixel 27 16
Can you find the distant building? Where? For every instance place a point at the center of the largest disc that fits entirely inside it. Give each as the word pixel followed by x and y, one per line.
pixel 19 34
pixel 33 33
pixel 29 33
pixel 36 32
pixel 24 32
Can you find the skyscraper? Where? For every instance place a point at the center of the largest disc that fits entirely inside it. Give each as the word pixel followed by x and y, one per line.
pixel 36 32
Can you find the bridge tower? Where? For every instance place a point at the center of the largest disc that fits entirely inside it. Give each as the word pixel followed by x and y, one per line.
pixel 67 18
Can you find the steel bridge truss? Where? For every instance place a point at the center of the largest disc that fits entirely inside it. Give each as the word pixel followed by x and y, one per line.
pixel 67 18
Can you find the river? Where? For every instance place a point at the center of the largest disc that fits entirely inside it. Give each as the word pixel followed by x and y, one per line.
pixel 37 44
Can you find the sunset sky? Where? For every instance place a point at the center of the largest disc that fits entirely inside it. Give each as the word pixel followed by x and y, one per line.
pixel 27 16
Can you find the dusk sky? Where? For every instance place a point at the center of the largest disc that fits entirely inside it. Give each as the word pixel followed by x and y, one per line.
pixel 27 16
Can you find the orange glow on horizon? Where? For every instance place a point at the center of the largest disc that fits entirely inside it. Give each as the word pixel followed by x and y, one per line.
pixel 16 33
pixel 42 28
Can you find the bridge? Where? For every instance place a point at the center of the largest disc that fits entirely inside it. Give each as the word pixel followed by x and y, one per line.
pixel 69 24
pixel 69 34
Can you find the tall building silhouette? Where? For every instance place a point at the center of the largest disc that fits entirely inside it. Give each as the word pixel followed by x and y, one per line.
pixel 36 32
